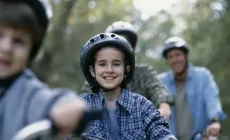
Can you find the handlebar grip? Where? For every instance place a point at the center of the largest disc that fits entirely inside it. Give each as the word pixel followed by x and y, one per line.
pixel 89 116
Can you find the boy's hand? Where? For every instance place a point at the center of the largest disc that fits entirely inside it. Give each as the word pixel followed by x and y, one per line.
pixel 67 116
pixel 164 110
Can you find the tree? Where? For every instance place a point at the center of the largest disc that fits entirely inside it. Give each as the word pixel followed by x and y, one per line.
pixel 74 22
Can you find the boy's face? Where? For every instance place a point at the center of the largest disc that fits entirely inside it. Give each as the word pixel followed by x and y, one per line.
pixel 15 45
pixel 109 68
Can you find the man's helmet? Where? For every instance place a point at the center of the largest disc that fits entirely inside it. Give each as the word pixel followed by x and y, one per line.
pixel 125 28
pixel 173 43
pixel 102 40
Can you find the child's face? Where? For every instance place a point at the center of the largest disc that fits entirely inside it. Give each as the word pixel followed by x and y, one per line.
pixel 15 45
pixel 109 68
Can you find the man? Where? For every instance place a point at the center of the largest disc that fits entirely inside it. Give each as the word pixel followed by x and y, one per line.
pixel 145 81
pixel 197 105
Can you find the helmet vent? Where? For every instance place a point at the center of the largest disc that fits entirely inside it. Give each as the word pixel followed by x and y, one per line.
pixel 102 36
pixel 92 40
pixel 113 35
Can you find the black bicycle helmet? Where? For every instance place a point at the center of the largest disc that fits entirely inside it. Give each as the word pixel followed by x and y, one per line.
pixel 42 16
pixel 120 27
pixel 175 42
pixel 102 40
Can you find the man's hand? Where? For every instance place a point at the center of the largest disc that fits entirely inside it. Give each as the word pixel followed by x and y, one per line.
pixel 164 110
pixel 213 129
pixel 67 116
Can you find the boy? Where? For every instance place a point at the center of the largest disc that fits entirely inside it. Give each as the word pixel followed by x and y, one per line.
pixel 23 98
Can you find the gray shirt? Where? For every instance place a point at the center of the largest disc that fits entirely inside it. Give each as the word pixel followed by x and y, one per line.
pixel 112 124
pixel 183 118
pixel 28 100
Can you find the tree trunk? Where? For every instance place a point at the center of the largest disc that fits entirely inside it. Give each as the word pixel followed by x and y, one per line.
pixel 54 40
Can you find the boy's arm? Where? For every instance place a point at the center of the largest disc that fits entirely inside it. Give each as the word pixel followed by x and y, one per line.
pixel 62 106
pixel 42 101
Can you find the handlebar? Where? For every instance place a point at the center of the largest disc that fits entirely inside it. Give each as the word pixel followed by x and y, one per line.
pixel 47 127
pixel 34 130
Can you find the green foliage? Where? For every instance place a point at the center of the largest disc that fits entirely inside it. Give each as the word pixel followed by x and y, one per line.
pixel 71 26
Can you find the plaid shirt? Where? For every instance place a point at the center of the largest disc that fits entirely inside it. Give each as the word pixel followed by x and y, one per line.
pixel 137 118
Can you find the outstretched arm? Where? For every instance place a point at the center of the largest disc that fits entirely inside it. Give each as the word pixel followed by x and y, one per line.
pixel 157 92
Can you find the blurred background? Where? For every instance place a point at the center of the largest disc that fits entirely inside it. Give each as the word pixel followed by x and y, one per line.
pixel 204 24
